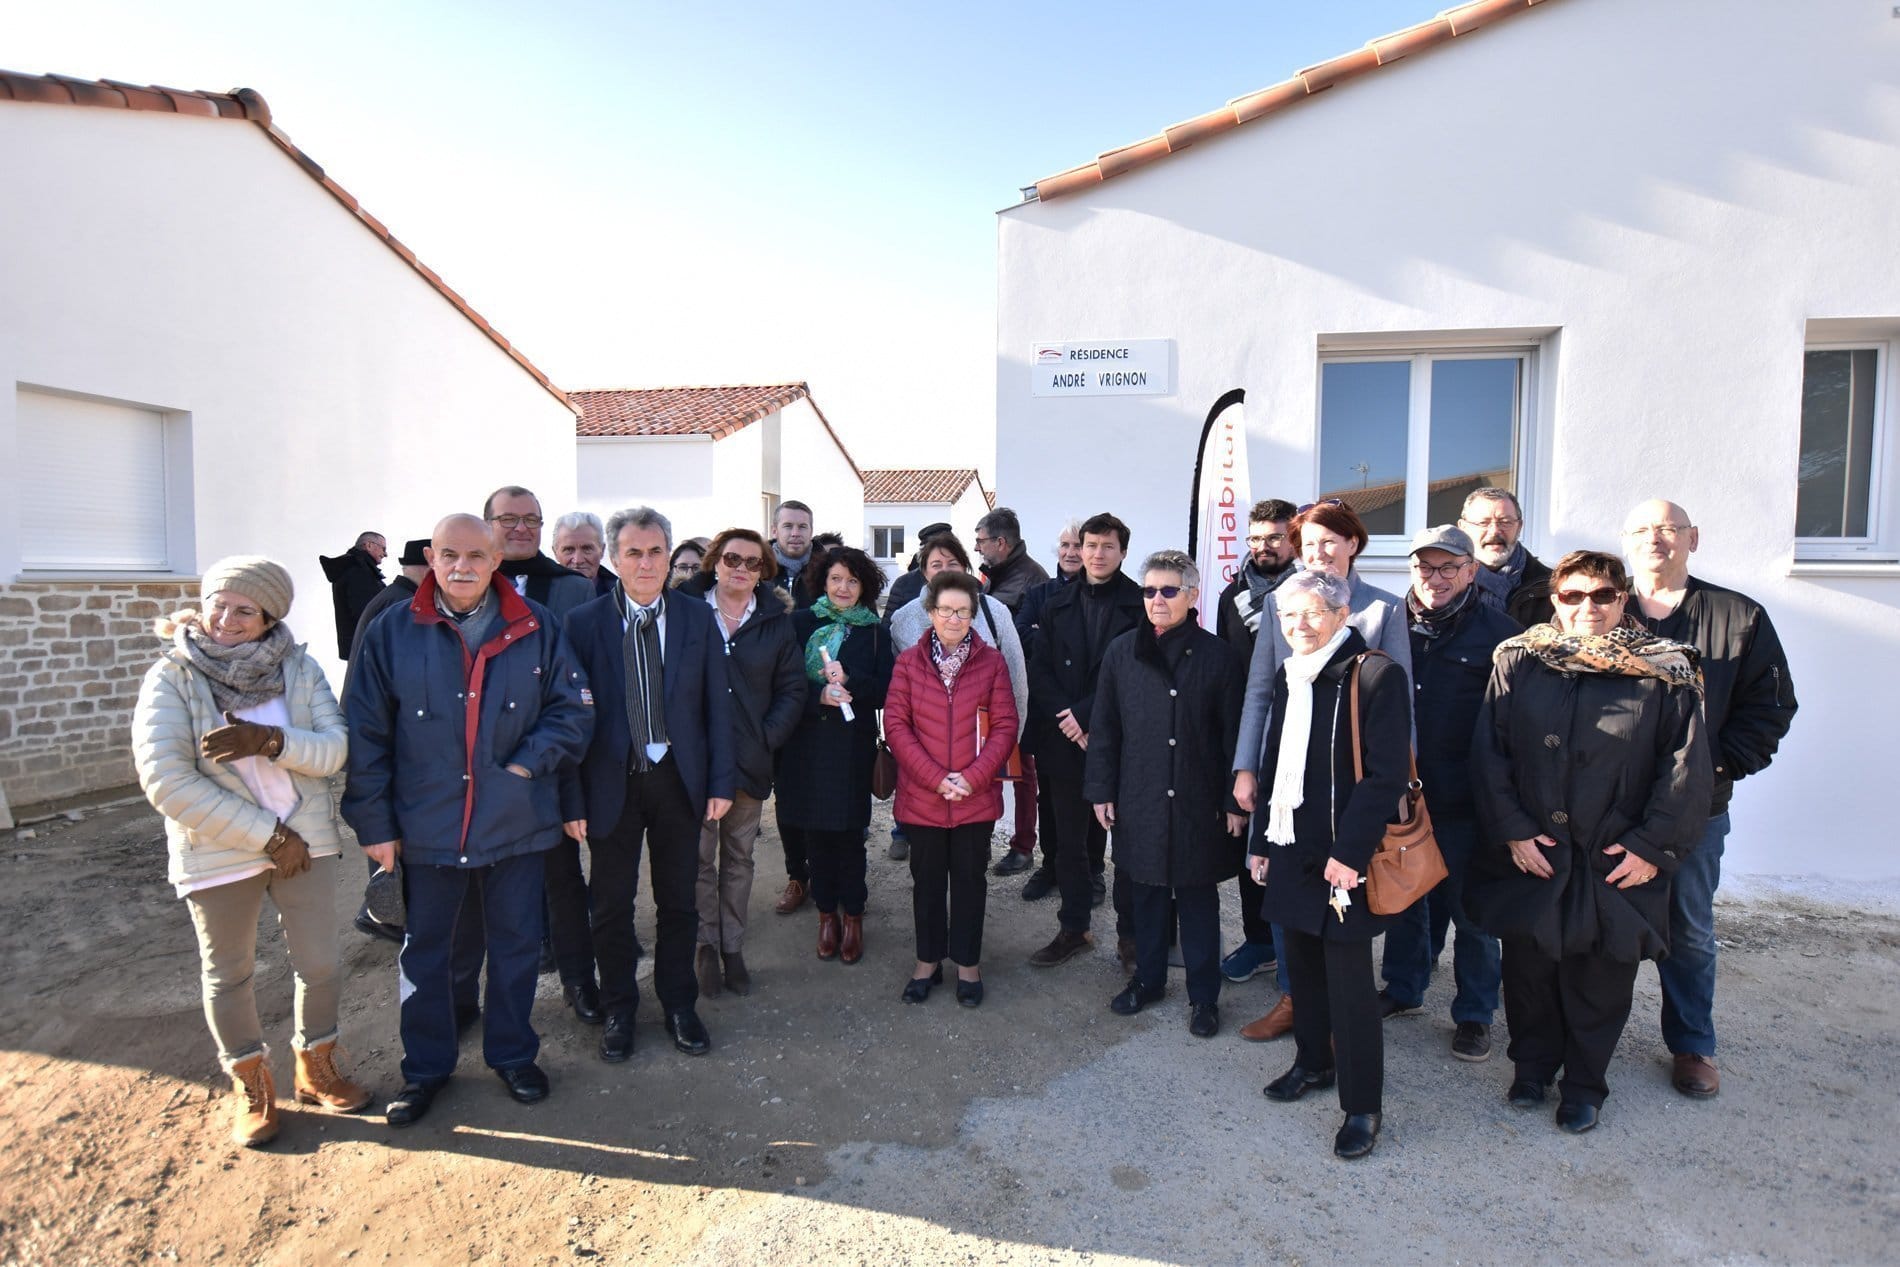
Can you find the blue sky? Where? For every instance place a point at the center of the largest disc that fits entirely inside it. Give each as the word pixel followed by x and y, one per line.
pixel 640 194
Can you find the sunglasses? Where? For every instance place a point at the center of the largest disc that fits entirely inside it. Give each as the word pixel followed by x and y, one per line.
pixel 1324 501
pixel 751 563
pixel 1605 597
pixel 1166 591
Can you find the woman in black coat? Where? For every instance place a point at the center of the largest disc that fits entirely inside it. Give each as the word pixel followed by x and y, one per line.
pixel 1316 832
pixel 1593 780
pixel 1161 741
pixel 824 772
pixel 765 665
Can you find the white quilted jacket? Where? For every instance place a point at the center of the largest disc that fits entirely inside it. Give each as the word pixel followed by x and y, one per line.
pixel 211 823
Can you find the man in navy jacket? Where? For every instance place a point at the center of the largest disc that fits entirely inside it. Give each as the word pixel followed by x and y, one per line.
pixel 658 670
pixel 463 707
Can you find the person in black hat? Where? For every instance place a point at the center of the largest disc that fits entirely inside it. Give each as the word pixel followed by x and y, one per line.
pixel 907 587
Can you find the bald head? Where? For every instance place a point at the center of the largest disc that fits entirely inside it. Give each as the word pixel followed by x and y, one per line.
pixel 463 555
pixel 1658 538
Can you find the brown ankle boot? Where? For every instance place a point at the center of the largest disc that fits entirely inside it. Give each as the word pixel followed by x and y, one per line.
pixel 851 943
pixel 254 1102
pixel 319 1083
pixel 827 935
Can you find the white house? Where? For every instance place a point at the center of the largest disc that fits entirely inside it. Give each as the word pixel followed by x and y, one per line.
pixel 897 503
pixel 210 348
pixel 715 457
pixel 1599 250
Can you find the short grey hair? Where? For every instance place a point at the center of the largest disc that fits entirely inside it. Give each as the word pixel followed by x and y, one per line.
pixel 636 517
pixel 1493 494
pixel 1174 561
pixel 1003 524
pixel 1324 586
pixel 580 519
pixel 1071 528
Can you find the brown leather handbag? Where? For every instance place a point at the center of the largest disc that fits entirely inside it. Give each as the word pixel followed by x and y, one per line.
pixel 884 771
pixel 1408 864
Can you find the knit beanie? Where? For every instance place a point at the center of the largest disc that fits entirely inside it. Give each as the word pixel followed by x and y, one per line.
pixel 263 581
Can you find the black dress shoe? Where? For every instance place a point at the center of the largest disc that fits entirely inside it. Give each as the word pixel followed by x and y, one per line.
pixel 1576 1118
pixel 970 993
pixel 689 1032
pixel 411 1104
pixel 526 1083
pixel 616 1040
pixel 1205 1020
pixel 1357 1136
pixel 1039 886
pixel 1296 1082
pixel 370 927
pixel 1013 863
pixel 1525 1093
pixel 584 998
pixel 918 988
pixel 1134 997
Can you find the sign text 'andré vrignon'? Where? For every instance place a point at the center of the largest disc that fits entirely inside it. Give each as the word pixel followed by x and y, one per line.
pixel 1125 367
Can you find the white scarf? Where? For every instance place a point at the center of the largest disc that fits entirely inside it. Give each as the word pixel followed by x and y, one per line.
pixel 1296 727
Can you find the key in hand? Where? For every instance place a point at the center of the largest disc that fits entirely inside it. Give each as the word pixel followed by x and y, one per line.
pixel 1339 901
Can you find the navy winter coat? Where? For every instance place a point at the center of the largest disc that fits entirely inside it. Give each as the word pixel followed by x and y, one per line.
pixel 1449 674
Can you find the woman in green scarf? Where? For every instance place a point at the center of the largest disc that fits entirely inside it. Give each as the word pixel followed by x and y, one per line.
pixel 823 781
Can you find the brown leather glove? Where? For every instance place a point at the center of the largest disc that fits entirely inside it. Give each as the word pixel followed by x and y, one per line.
pixel 288 852
pixel 241 739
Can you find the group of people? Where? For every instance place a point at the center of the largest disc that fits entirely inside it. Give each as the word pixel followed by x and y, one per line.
pixel 1576 730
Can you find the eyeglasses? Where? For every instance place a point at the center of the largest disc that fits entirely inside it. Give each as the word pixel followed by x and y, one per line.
pixel 1445 571
pixel 1662 532
pixel 955 615
pixel 982 540
pixel 1311 616
pixel 1605 597
pixel 1486 525
pixel 1324 501
pixel 1271 539
pixel 749 562
pixel 511 522
pixel 1166 591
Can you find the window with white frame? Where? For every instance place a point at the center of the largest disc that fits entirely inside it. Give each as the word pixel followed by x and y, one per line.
pixel 1405 436
pixel 887 542
pixel 1845 433
pixel 101 493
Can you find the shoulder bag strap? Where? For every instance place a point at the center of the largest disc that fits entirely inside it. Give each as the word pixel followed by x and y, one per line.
pixel 982 602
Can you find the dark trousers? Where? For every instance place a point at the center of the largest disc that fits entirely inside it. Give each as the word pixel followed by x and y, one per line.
pixel 948 891
pixel 659 816
pixel 836 863
pixel 1073 816
pixel 1022 837
pixel 1121 892
pixel 1046 823
pixel 1565 1013
pixel 797 848
pixel 1154 909
pixel 568 914
pixel 468 951
pixel 1253 925
pixel 1411 951
pixel 508 894
pixel 1335 999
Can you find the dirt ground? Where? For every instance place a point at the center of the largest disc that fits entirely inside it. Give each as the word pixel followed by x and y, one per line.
pixel 833 1124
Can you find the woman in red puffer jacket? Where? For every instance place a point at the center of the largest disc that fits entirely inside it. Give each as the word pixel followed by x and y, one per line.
pixel 950 719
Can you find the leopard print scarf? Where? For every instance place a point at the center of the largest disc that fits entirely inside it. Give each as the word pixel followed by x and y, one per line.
pixel 1629 650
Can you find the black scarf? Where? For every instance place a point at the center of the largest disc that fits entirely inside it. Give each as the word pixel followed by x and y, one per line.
pixel 541 572
pixel 1431 622
pixel 646 679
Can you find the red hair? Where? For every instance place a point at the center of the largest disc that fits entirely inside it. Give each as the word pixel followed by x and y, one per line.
pixel 1335 516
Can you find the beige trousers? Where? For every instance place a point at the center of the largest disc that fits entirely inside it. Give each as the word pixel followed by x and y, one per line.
pixel 725 874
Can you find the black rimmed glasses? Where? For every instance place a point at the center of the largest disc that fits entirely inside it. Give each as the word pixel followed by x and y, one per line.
pixel 511 522
pixel 1445 571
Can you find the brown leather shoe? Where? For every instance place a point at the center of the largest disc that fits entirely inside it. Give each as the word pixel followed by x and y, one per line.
pixel 706 969
pixel 828 934
pixel 1277 1023
pixel 1066 946
pixel 1125 951
pixel 253 1102
pixel 851 941
pixel 1696 1076
pixel 791 899
pixel 318 1081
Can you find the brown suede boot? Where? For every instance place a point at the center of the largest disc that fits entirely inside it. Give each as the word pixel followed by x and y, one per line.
pixel 253 1102
pixel 827 935
pixel 851 944
pixel 1277 1023
pixel 319 1083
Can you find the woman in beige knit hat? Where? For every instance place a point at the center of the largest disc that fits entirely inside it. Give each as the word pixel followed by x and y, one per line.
pixel 234 735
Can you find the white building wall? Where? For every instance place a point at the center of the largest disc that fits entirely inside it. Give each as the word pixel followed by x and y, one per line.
pixel 738 480
pixel 912 516
pixel 188 265
pixel 814 470
pixel 673 474
pixel 1666 193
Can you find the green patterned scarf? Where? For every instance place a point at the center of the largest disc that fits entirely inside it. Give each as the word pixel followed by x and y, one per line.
pixel 833 627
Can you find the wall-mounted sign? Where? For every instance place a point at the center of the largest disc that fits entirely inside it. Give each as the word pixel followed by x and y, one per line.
pixel 1126 367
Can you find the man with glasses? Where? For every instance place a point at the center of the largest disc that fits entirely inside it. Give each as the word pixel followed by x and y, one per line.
pixel 1272 556
pixel 1748 704
pixel 514 516
pixel 1453 635
pixel 1008 571
pixel 1510 577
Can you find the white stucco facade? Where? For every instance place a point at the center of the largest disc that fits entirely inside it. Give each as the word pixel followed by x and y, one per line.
pixel 1664 204
pixel 961 515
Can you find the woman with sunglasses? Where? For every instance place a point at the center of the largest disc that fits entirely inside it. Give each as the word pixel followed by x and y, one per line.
pixel 766 669
pixel 1331 537
pixel 1593 776
pixel 951 722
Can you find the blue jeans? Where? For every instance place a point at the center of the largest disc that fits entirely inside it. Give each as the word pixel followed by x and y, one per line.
pixel 1688 974
pixel 511 893
pixel 1476 957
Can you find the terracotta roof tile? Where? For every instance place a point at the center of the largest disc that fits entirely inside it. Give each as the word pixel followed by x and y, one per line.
pixel 944 486
pixel 247 105
pixel 691 411
pixel 1455 21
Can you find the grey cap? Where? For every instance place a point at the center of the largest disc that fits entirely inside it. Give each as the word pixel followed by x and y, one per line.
pixel 1447 537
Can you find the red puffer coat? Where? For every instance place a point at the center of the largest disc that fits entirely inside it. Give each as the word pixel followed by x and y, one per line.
pixel 932 733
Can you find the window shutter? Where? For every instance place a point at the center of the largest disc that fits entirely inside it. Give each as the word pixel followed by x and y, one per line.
pixel 94 494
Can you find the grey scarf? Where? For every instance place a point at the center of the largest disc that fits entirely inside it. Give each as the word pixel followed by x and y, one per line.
pixel 646 681
pixel 243 676
pixel 1495 585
